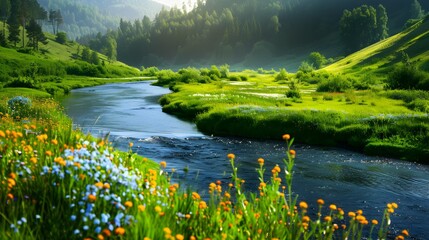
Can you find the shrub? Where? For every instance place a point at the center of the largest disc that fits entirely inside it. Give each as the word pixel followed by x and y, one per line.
pixel 234 78
pixel 419 105
pixel 166 77
pixel 150 71
pixel 306 67
pixel 407 76
pixel 61 37
pixel 282 75
pixel 22 82
pixel 334 84
pixel 293 94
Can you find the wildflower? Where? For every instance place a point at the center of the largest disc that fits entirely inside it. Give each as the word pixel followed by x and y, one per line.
pixel 158 209
pixel 119 231
pixel 303 205
pixel 100 237
pixel 400 237
pixel 141 208
pixel 306 219
pixel 131 144
pixel 91 198
pixel 179 237
pixel 202 205
pixel 286 137
pixel 405 232
pixel 99 185
pixel 320 201
pixel 333 207
pixel 352 214
pixel 328 218
pixel 231 156
pixel 106 186
pixel 73 217
pixel 394 205
pixel 261 161
pixel 106 232
pixel 76 232
pixel 292 152
pixel 10 196
pixel 128 204
pixel 12 175
pixel 163 164
pixel 374 222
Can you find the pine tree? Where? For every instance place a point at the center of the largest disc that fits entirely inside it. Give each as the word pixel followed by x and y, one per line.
pixel 416 10
pixel 86 54
pixel 4 13
pixel 94 58
pixel 35 34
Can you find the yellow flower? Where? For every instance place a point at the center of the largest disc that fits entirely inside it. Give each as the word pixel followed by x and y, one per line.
pixel 128 204
pixel 141 208
pixel 2 134
pixel 374 222
pixel 231 156
pixel 286 137
pixel 261 161
pixel 306 219
pixel 303 205
pixel 167 230
pixel 352 214
pixel 158 209
pixel 163 164
pixel 320 201
pixel 202 205
pixel 333 207
pixel 99 185
pixel 292 152
pixel 131 144
pixel 179 237
pixel 328 218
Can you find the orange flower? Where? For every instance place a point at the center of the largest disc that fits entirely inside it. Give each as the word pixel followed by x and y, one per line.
pixel 179 237
pixel 231 156
pixel 128 204
pixel 328 218
pixel 261 161
pixel 405 232
pixel 106 232
pixel 292 152
pixel 303 205
pixel 320 201
pixel 48 153
pixel 106 186
pixel 10 196
pixel 12 175
pixel 202 205
pixel 374 222
pixel 91 198
pixel 131 144
pixel 120 231
pixel 352 214
pixel 141 208
pixel 99 185
pixel 286 137
pixel 333 207
pixel 100 237
pixel 163 164
pixel 306 219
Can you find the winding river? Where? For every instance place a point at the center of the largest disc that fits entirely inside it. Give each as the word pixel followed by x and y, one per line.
pixel 129 112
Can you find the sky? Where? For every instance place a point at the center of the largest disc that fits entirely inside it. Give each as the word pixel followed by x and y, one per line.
pixel 177 3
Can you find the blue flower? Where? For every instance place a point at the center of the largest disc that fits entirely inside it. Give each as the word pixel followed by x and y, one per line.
pixel 73 217
pixel 76 232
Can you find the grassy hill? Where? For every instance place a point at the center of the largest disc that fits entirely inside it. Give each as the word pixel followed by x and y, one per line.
pixel 56 68
pixel 380 58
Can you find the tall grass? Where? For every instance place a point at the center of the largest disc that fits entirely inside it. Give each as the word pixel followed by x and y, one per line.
pixel 58 183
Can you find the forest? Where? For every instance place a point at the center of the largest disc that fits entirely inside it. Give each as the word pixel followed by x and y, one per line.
pixel 256 33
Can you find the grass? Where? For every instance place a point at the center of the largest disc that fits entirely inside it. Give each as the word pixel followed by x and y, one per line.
pixel 362 120
pixel 58 182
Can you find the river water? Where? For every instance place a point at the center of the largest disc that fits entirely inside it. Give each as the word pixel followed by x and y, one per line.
pixel 129 112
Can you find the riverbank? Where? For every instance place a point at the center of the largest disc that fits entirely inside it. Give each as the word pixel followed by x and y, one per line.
pixel 59 182
pixel 368 121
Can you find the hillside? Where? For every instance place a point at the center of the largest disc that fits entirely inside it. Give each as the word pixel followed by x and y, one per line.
pixel 55 69
pixel 379 58
pixel 93 16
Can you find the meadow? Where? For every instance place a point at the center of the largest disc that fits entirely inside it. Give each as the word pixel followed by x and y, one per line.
pixel 57 182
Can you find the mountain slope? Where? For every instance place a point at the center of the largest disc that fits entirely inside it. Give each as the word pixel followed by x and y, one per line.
pixel 379 58
pixel 93 16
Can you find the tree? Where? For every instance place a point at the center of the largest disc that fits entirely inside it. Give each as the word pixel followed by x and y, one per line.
pixel 35 34
pixel 316 59
pixel 382 20
pixel 61 37
pixel 86 54
pixel 56 19
pixel 360 28
pixel 94 58
pixel 416 10
pixel 13 22
pixel 4 13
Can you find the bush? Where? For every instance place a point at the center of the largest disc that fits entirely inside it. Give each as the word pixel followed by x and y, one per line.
pixel 22 82
pixel 317 60
pixel 166 77
pixel 419 105
pixel 61 37
pixel 407 76
pixel 334 84
pixel 293 94
pixel 150 71
pixel 283 75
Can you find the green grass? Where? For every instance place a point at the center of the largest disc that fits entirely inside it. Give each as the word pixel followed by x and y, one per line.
pixel 378 59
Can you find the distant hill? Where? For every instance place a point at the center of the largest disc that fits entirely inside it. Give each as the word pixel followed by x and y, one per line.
pixel 85 17
pixel 379 58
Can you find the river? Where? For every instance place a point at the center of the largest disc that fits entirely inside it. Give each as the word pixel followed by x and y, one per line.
pixel 129 112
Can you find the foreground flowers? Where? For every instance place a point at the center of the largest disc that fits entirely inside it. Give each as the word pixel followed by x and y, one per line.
pixel 60 183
